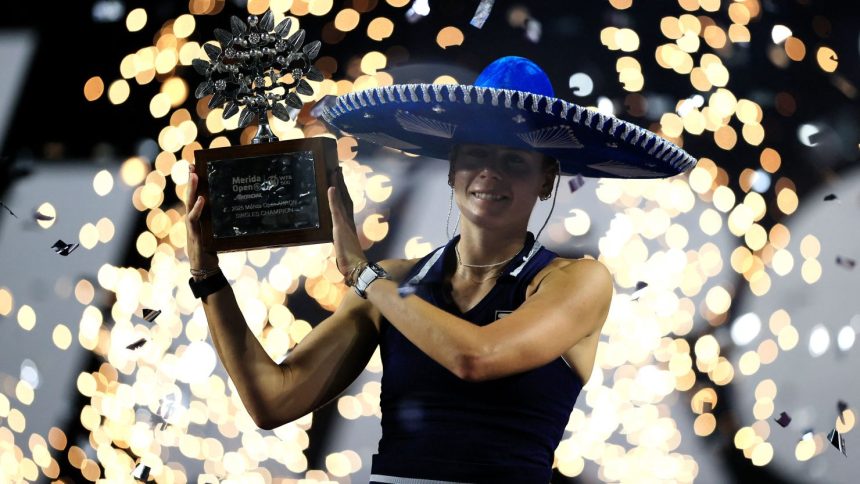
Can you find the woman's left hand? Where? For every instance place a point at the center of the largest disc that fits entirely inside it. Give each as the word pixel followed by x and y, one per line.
pixel 346 244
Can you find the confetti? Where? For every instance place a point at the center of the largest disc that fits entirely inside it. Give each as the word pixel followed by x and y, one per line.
pixel 150 314
pixel 575 183
pixel 842 407
pixel 815 138
pixel 837 440
pixel 418 10
pixel 830 197
pixel 845 262
pixel 63 248
pixel 808 434
pixel 482 13
pixel 413 17
pixel 638 292
pixel 9 209
pixel 533 30
pixel 165 409
pixel 141 472
pixel 783 420
pixel 41 216
pixel 137 344
pixel 145 415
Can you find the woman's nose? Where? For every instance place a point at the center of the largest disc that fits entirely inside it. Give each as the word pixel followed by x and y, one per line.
pixel 490 169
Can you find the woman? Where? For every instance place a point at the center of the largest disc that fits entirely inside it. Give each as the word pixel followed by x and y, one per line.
pixel 486 342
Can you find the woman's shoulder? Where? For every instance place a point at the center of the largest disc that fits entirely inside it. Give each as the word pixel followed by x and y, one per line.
pixel 584 267
pixel 571 270
pixel 582 263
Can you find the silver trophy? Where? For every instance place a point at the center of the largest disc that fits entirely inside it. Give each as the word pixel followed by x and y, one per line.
pixel 270 193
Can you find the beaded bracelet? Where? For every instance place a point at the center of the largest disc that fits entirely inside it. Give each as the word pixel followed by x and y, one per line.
pixel 350 277
pixel 204 273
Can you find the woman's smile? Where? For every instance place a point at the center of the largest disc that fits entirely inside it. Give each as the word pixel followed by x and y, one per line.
pixel 488 196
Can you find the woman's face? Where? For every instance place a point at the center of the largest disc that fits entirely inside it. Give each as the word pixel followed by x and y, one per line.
pixel 497 185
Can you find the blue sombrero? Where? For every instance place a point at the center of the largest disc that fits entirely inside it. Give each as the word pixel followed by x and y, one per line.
pixel 511 104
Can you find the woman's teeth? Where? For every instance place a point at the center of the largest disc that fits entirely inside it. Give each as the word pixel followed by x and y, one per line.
pixel 487 196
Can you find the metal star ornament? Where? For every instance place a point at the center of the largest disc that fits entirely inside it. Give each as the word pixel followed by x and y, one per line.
pixel 258 67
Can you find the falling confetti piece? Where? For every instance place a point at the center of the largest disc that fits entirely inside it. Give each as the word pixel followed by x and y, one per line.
pixel 137 344
pixel 842 407
pixel 830 197
pixel 482 13
pixel 845 262
pixel 150 314
pixel 63 248
pixel 638 292
pixel 783 420
pixel 164 411
pixel 41 216
pixel 145 415
pixel 816 137
pixel 418 10
pixel 837 440
pixel 141 472
pixel 576 183
pixel 533 30
pixel 9 209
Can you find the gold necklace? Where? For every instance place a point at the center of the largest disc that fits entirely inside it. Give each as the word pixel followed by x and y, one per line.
pixel 481 266
pixel 481 281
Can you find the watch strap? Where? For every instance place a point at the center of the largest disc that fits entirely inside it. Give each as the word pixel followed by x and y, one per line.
pixel 207 286
pixel 367 276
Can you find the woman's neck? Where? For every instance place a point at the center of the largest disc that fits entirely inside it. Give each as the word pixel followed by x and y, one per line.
pixel 490 249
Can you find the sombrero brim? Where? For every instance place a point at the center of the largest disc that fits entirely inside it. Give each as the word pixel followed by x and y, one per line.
pixel 429 119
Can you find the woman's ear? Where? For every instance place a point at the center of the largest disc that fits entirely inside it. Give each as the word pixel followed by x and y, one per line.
pixel 549 178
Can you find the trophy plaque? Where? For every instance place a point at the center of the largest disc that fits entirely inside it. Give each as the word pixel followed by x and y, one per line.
pixel 266 195
pixel 269 193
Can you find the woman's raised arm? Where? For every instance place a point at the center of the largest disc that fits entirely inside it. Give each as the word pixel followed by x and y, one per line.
pixel 327 360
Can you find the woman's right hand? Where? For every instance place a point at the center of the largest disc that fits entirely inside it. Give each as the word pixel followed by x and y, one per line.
pixel 197 255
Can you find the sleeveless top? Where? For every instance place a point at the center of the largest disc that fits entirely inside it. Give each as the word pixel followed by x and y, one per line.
pixel 438 428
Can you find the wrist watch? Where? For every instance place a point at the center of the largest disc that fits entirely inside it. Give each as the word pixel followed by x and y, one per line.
pixel 366 277
pixel 208 285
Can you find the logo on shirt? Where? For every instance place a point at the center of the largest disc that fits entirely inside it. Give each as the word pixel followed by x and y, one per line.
pixel 501 314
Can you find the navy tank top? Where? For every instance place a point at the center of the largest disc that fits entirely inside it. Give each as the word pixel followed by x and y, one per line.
pixel 438 428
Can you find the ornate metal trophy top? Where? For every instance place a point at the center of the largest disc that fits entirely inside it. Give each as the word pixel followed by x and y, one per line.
pixel 270 193
pixel 258 68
